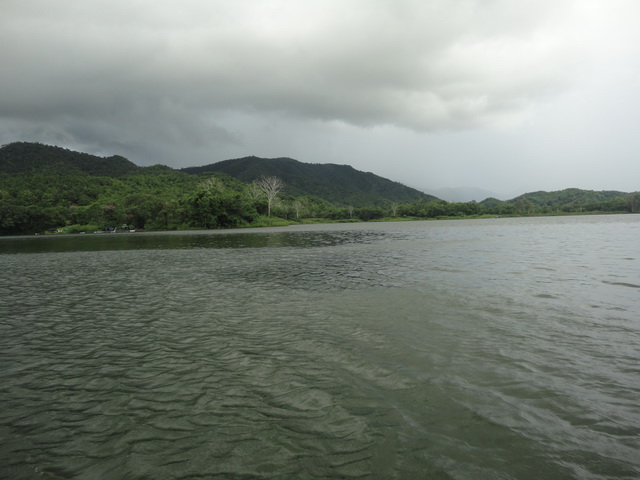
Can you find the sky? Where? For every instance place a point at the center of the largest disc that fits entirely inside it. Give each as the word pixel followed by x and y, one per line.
pixel 510 96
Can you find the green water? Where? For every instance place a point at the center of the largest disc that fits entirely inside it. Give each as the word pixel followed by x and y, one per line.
pixel 506 349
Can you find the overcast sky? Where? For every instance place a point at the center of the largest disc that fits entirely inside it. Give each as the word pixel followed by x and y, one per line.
pixel 505 95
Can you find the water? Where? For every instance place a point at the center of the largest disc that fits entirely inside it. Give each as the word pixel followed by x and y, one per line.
pixel 474 349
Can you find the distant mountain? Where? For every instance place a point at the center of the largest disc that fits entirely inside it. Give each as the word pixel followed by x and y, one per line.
pixel 462 194
pixel 27 158
pixel 339 184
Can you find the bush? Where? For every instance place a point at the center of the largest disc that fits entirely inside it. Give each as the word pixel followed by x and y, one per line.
pixel 80 228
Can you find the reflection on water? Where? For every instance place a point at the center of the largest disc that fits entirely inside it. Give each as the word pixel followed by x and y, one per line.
pixel 250 238
pixel 467 349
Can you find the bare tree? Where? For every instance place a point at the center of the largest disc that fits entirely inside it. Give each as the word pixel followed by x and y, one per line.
pixel 270 186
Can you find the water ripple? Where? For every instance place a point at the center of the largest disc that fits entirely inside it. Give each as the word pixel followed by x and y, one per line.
pixel 454 350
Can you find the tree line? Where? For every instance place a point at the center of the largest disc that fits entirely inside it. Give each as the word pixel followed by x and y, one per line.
pixel 163 199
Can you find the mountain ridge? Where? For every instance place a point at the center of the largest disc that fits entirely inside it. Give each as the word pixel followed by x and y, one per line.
pixel 340 184
pixel 45 186
pixel 28 157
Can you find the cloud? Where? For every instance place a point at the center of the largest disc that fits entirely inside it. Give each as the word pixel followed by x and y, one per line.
pixel 416 64
pixel 197 81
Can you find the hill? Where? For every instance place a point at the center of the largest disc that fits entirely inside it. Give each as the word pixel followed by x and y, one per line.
pixel 338 184
pixel 568 200
pixel 568 196
pixel 26 158
pixel 45 188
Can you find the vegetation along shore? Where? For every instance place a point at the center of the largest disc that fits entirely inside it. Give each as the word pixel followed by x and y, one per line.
pixel 49 189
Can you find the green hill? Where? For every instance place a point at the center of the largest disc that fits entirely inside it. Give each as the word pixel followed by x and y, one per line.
pixel 52 189
pixel 569 200
pixel 338 184
pixel 568 196
pixel 26 158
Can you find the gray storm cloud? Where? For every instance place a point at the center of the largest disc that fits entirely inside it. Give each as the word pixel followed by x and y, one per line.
pixel 421 65
pixel 158 79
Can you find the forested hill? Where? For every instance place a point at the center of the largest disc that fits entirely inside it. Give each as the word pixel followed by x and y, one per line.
pixel 27 158
pixel 339 184
pixel 45 188
pixel 568 196
pixel 567 200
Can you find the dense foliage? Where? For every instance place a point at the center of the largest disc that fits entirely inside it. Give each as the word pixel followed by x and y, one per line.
pixel 53 189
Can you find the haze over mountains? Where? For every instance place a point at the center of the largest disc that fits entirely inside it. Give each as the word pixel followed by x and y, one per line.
pixel 466 194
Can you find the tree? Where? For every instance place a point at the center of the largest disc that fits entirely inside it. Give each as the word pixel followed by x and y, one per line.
pixel 633 202
pixel 297 207
pixel 369 213
pixel 215 204
pixel 270 187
